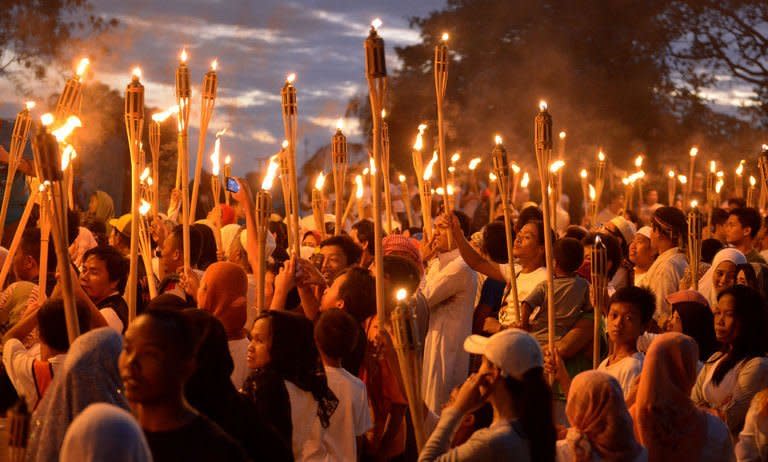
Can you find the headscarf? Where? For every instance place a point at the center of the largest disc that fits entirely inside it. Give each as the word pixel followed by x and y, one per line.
pixel 707 284
pixel 600 419
pixel 667 422
pixel 105 209
pixel 105 432
pixel 226 295
pixel 89 375
pixel 228 235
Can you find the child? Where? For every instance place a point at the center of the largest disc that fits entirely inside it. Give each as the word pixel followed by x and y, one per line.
pixel 336 334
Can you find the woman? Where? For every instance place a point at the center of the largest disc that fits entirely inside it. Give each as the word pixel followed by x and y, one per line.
pixel 104 432
pixel 732 376
pixel 721 275
pixel 601 427
pixel 512 380
pixel 89 375
pixel 667 422
pixel 101 209
pixel 692 316
pixel 288 385
pixel 753 439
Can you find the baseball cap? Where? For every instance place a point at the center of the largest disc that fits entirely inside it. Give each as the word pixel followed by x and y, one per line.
pixel 625 227
pixel 514 351
pixel 122 224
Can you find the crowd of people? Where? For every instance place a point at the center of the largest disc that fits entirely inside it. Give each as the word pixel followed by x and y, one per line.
pixel 204 373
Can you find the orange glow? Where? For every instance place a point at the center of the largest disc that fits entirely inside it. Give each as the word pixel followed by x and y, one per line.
pixel 693 152
pixel 430 166
pixel 492 176
pixel 556 165
pixel 592 193
pixel 340 124
pixel 46 119
pixel 81 67
pixel 445 37
pixel 215 65
pixel 291 78
pixel 401 178
pixel 639 161
pixel 526 179
pixel 562 135
pixel 418 145
pixel 740 168
pixel 601 156
pixel 285 144
pixel 320 182
pixel 474 162
pixel 67 155
pixel 136 73
pixel 515 168
pixel 455 158
pixel 269 178
pixel 359 184
pixel 671 173
pixel 376 23
pixel 161 116
pixel 65 130
pixel 682 178
pixel 542 105
pixel 752 181
pixel 144 208
pixel 583 173
pixel 184 56
pixel 228 160
pixel 497 139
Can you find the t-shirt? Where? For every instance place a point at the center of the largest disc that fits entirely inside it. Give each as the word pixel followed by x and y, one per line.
pixel 18 362
pixel 526 282
pixel 200 440
pixel 238 349
pixel 309 439
pixel 625 371
pixel 115 311
pixel 352 417
pixel 571 301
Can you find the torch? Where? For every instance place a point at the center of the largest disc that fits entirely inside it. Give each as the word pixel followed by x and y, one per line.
pixel 285 186
pixel 154 148
pixel 207 102
pixel 134 125
pixel 751 192
pixel 762 164
pixel 472 174
pixel 227 174
pixel 145 246
pixel 543 145
pixel 18 141
pixel 492 185
pixel 599 278
pixel 263 211
pixel 691 171
pixel 385 169
pixel 409 356
pixel 68 104
pixel 671 184
pixel 376 74
pixel 599 182
pixel 515 182
pixel 359 192
pixel 683 185
pixel 628 184
pixel 501 170
pixel 406 193
pixel 216 191
pixel 592 205
pixel 560 156
pixel 556 170
pixel 183 93
pixel 710 190
pixel 452 173
pixel 738 180
pixel 290 117
pixel 584 188
pixel 695 227
pixel 418 167
pixel 441 82
pixel 318 204
pixel 640 177
pixel 426 196
pixel 339 163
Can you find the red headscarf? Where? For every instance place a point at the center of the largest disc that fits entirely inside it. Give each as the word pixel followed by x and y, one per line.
pixel 226 288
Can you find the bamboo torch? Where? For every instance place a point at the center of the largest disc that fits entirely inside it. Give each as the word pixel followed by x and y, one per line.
pixel 68 104
pixel 418 167
pixel 285 185
pixel 318 204
pixel 492 186
pixel 584 190
pixel 507 315
pixel 359 193
pixel 385 169
pixel 154 148
pixel 406 194
pixel 751 202
pixel 556 169
pixel 738 179
pixel 227 174
pixel 207 102
pixel 134 126
pixel 543 145
pixel 599 278
pixel 263 211
pixel 441 82
pixel 692 153
pixel 473 174
pixel 640 175
pixel 409 356
pixel 560 156
pixel 183 93
pixel 426 196
pixel 695 227
pixel 145 246
pixel 671 185
pixel 216 191
pixel 516 180
pixel 599 182
pixel 339 162
pixel 290 118
pixel 18 141
pixel 710 191
pixel 683 186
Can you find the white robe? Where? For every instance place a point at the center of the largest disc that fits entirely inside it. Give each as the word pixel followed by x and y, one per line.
pixel 449 288
pixel 663 278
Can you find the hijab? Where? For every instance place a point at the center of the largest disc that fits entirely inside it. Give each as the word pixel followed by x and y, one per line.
pixel 707 283
pixel 104 432
pixel 667 422
pixel 105 209
pixel 226 292
pixel 89 375
pixel 600 420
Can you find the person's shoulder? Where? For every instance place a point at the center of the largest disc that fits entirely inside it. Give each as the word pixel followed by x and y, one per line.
pixel 717 432
pixel 207 432
pixel 756 364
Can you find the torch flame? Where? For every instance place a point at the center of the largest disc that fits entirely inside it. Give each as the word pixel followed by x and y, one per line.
pixel 216 156
pixel 359 184
pixel 625 181
pixel 542 105
pixel 366 171
pixel 81 67
pixel 562 135
pixel 445 37
pixel 29 105
pixel 136 73
pixel 376 23
pixel 694 204
pixel 601 156
pixel 65 130
pixel 144 208
pixel 215 65
pixel 274 164
pixel 765 147
pixel 144 175
pixel 418 145
pixel 67 155
pixel 150 181
pixel 683 179
pixel 719 186
pixel 740 168
pixel 474 162
pixel 372 163
pixel 228 160
pixel 451 169
pixel 752 181
pixel 291 78
pixel 401 294
pixel 161 116
pixel 285 144
pixel 455 158
pixel 526 179
pixel 183 56
pixel 340 124
pixel 712 166
pixel 46 119
pixel 498 140
pixel 639 161
pixel 439 190
pixel 671 173
pixel 515 168
pixel 428 170
pixel 556 165
pixel 320 181
pixel 492 176
pixel 720 174
pixel 401 178
pixel 583 173
pixel 592 193
pixel 694 150
pixel 383 113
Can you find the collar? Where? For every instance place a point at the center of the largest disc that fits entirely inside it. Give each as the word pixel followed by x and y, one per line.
pixel 447 257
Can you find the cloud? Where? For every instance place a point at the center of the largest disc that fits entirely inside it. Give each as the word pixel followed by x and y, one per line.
pixel 263 136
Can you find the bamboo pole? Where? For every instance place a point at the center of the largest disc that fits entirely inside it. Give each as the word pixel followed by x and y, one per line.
pixel 183 93
pixel 599 281
pixel 134 126
pixel 339 162
pixel 290 117
pixel 501 167
pixel 16 241
pixel 18 142
pixel 207 103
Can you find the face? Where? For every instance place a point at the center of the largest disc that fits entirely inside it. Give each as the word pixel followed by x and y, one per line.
pixel 734 232
pixel 112 239
pixel 150 371
pixel 24 266
pixel 652 197
pixel 310 241
pixel 202 291
pixel 334 261
pixel 441 239
pixel 260 344
pixel 94 279
pixel 93 204
pixel 527 247
pixel 616 202
pixel 489 375
pixel 741 278
pixel 726 326
pixel 724 276
pixel 675 323
pixel 170 255
pixel 657 238
pixel 269 287
pixel 640 252
pixel 331 297
pixel 625 323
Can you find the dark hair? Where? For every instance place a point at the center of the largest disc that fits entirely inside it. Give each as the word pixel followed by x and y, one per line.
pixel 528 214
pixel 178 333
pixel 613 251
pixel 748 217
pixel 640 298
pixel 294 357
pixel 719 216
pixel 336 333
pixel 736 202
pixel 115 262
pixel 402 272
pixel 52 323
pixel 358 292
pixel 569 254
pixel 195 242
pixel 464 222
pixel 749 274
pixel 73 225
pixel 280 230
pixel 709 248
pixel 576 232
pixel 533 407
pixel 698 323
pixel 364 229
pixel 30 245
pixel 631 215
pixel 749 314
pixel 495 242
pixel 207 253
pixel 351 250
pixel 539 225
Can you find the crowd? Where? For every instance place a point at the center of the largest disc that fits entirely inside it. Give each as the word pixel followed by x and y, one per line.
pixel 203 373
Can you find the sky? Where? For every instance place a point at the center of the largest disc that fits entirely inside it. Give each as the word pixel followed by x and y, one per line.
pixel 257 43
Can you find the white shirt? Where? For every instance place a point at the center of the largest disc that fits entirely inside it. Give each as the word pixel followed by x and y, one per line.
pixel 352 417
pixel 308 440
pixel 625 371
pixel 18 365
pixel 565 454
pixel 238 349
pixel 526 282
pixel 449 288
pixel 663 278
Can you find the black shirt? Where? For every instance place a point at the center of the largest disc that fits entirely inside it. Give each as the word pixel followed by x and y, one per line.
pixel 200 440
pixel 117 303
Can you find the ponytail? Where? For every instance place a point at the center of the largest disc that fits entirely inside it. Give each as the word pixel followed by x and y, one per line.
pixel 532 402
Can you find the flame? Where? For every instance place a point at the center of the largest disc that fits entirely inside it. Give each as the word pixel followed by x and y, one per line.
pixel 228 160
pixel 285 144
pixel 592 193
pixel 694 204
pixel 372 163
pixel 221 132
pixel 428 169
pixel 765 147
pixel 439 190
pixel 671 173
pixel 719 186
pixel 542 105
pixel 383 113
pixel 583 173
pixel 401 177
pixel 752 181
pixel 625 181
pixel 401 294
pixel 144 208
pixel 359 184
pixel 144 175
pixel 216 157
pixel 291 78
pixel 366 171
pixel 81 67
pixel 694 150
pixel 340 124
pixel 46 119
pixel 740 168
pixel 601 156
pixel 320 181
pixel 67 155
pixel 29 105
pixel 161 116
pixel 215 65
pixel 274 164
pixel 451 169
pixel 515 168
pixel 65 130
pixel 712 166
pixel 640 174
pixel 445 37
pixel 418 145
pixel 136 73
pixel 556 165
pixel 492 176
pixel 639 161
pixel 683 179
pixel 720 174
pixel 474 162
pixel 376 23
pixel 498 140
pixel 150 181
pixel 183 56
pixel 562 135
pixel 526 179
pixel 455 158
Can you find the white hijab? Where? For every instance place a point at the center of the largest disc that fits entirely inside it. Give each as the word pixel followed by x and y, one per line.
pixel 707 283
pixel 104 432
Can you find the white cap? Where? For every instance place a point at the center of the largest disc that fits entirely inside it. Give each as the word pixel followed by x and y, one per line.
pixel 645 231
pixel 514 351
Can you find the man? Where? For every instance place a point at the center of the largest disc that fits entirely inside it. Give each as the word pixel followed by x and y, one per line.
pixel 26 265
pixel 612 208
pixel 339 252
pixel 103 276
pixel 171 260
pixel 120 236
pixel 719 217
pixel 449 287
pixel 362 234
pixel 741 229
pixel 641 254
pixel 669 227
pixel 650 204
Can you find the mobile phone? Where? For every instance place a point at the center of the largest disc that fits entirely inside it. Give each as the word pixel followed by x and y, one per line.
pixel 317 260
pixel 232 185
